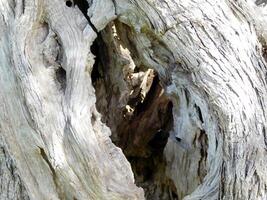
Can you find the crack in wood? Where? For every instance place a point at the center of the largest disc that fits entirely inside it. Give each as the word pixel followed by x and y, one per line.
pixel 83 6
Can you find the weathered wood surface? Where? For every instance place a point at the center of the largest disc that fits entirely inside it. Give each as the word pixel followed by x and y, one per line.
pixel 210 59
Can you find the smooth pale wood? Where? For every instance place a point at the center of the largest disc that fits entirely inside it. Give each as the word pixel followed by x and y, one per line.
pixel 208 55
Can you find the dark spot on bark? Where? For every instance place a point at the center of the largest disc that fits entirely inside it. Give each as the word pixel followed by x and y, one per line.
pixel 178 139
pixel 264 52
pixel 265 136
pixel 187 96
pixel 61 78
pixel 261 2
pixel 222 184
pixel 203 140
pixel 68 3
pixel 23 6
pixel 247 168
pixel 199 113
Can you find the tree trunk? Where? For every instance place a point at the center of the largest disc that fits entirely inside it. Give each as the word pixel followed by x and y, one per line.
pixel 179 86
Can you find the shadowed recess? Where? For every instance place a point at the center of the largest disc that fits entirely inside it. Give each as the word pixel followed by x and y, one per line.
pixel 141 120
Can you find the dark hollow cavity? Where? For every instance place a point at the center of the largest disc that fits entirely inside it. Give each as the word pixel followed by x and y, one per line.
pixel 142 134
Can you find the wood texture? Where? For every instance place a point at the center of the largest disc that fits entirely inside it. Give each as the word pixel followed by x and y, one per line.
pixel 210 59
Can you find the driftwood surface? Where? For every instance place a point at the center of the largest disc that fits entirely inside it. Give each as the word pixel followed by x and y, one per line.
pixel 209 59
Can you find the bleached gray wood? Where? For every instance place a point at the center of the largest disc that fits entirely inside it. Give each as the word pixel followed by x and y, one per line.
pixel 209 58
pixel 59 145
pixel 211 61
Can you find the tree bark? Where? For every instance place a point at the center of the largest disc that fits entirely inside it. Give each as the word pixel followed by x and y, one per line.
pixel 210 57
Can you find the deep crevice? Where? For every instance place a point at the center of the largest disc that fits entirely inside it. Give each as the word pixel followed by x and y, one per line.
pixel 83 6
pixel 199 113
pixel 44 156
pixel 96 50
pixel 53 171
pixel 142 124
pixel 203 140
